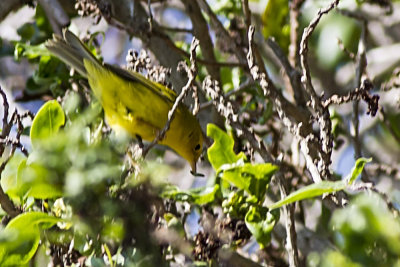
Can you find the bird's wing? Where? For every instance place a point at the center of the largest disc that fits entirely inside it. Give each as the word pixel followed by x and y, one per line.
pixel 128 96
pixel 157 88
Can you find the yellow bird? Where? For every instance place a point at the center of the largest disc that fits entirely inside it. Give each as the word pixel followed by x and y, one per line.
pixel 131 101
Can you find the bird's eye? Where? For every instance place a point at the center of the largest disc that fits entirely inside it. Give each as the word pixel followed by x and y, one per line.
pixel 197 147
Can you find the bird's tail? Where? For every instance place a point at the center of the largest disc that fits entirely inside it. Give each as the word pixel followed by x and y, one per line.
pixel 71 51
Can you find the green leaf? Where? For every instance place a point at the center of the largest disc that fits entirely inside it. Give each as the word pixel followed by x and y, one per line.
pixel 9 181
pixel 260 222
pixel 30 52
pixel 394 122
pixel 198 196
pixel 44 190
pixel 175 224
pixel 34 218
pixel 323 187
pixel 221 152
pixel 26 31
pixel 204 196
pixel 23 237
pixel 367 232
pixel 253 178
pixel 337 121
pixel 275 22
pixel 47 122
pixel 19 187
pixel 26 179
pixel 357 169
pixel 310 191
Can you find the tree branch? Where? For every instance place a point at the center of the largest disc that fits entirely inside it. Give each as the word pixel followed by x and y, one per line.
pixel 201 32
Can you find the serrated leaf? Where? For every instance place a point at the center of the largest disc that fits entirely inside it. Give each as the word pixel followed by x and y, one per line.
pixel 357 169
pixel 310 191
pixel 221 152
pixel 260 222
pixel 47 122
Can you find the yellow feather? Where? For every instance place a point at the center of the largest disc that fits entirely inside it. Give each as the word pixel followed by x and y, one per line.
pixel 132 102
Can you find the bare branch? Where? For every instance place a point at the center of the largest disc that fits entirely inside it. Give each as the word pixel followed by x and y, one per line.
pixel 292 73
pixel 5 140
pixel 360 71
pixel 56 15
pixel 294 14
pixel 175 29
pixel 9 6
pixel 201 32
pixel 248 83
pixel 350 54
pixel 222 32
pixel 299 127
pixel 361 93
pixel 228 110
pixel 375 169
pixel 322 113
pixel 386 199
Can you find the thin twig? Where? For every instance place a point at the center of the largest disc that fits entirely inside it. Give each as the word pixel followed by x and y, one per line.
pixel 386 199
pixel 5 140
pixel 150 19
pixel 244 86
pixel 192 72
pixel 55 13
pixel 202 33
pixel 375 169
pixel 206 62
pixel 323 116
pixel 292 73
pixel 254 48
pixel 362 93
pixel 6 107
pixel 298 127
pixel 306 79
pixel 294 14
pixel 228 109
pixel 196 105
pixel 350 54
pixel 360 71
pixel 175 29
pixel 291 240
pixel 246 11
pixel 222 32
pixel 7 205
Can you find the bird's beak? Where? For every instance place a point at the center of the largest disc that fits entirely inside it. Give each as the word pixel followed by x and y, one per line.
pixel 193 165
pixel 193 171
